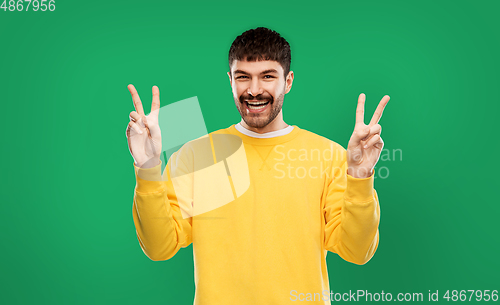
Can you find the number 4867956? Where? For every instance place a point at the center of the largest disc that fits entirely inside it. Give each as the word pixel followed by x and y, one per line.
pixel 26 5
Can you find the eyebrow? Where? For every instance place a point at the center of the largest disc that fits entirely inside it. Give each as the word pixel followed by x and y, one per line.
pixel 263 72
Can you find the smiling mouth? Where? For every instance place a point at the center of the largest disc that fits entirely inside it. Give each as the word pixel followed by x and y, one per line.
pixel 256 105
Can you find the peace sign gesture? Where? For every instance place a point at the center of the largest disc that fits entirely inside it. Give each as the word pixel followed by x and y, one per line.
pixel 365 144
pixel 143 131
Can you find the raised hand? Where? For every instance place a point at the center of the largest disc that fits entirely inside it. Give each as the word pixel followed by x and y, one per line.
pixel 143 131
pixel 365 144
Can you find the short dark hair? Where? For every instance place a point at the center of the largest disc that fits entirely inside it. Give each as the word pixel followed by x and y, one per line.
pixel 261 44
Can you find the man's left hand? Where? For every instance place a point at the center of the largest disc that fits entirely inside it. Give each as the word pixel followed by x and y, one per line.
pixel 365 144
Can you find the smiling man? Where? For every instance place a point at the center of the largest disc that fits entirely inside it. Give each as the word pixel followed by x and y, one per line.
pixel 306 195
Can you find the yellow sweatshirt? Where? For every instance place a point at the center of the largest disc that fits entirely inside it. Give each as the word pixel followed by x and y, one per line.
pixel 290 201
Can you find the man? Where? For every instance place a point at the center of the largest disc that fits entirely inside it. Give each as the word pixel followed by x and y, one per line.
pixel 306 194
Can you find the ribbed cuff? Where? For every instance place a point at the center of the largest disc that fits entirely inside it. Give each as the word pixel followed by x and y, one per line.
pixel 149 180
pixel 360 189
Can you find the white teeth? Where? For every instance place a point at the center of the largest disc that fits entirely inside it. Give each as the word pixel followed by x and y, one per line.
pixel 256 103
pixel 254 107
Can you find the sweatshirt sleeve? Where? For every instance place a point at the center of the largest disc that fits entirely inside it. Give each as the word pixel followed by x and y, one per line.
pixel 159 223
pixel 352 215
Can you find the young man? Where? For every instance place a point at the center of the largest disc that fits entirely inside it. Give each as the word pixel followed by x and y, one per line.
pixel 305 195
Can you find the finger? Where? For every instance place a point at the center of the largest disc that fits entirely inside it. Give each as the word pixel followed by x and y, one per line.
pixel 145 121
pixel 149 133
pixel 360 134
pixel 376 139
pixel 136 99
pixel 134 116
pixel 134 126
pixel 380 109
pixel 156 99
pixel 379 144
pixel 360 110
pixel 375 129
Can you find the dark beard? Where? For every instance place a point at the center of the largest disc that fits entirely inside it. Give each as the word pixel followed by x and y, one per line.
pixel 275 105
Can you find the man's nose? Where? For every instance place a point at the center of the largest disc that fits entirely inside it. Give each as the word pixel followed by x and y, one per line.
pixel 255 88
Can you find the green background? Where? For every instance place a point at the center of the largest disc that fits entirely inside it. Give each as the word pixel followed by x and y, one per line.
pixel 67 186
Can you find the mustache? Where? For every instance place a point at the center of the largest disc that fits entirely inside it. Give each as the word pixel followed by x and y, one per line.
pixel 259 97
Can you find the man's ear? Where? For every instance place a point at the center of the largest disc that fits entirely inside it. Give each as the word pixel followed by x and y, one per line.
pixel 230 80
pixel 288 82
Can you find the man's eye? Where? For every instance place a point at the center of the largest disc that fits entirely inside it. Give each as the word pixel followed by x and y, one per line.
pixel 241 77
pixel 270 76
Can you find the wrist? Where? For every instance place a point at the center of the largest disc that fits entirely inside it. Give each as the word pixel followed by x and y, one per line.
pixel 149 163
pixel 359 173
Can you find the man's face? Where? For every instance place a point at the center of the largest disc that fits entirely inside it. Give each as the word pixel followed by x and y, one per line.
pixel 259 88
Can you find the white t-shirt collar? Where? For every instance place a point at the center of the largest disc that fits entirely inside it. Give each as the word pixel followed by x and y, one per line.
pixel 270 134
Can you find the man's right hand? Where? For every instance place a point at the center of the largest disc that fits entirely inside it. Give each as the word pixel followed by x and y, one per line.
pixel 143 131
